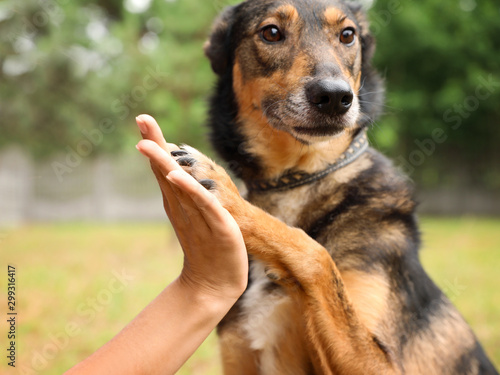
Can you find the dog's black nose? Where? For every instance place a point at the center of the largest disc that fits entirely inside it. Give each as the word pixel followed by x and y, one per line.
pixel 330 96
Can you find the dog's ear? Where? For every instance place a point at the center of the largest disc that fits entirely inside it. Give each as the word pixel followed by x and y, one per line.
pixel 372 86
pixel 217 46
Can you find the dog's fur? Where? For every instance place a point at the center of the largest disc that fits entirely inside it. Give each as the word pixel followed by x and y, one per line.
pixel 336 285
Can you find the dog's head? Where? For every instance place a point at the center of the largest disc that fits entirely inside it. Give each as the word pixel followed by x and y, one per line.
pixel 304 66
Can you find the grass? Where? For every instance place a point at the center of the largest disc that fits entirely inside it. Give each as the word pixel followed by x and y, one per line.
pixel 462 255
pixel 67 307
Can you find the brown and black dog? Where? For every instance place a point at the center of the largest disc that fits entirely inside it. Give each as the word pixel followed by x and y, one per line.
pixel 335 284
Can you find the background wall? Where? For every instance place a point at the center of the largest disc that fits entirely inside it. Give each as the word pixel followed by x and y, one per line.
pixel 121 187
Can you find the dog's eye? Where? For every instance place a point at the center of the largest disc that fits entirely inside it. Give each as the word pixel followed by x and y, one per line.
pixel 347 36
pixel 271 34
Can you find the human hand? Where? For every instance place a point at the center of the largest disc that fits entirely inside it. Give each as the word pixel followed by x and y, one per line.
pixel 215 258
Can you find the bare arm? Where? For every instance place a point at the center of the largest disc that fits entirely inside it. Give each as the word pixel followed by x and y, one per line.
pixel 162 337
pixel 167 332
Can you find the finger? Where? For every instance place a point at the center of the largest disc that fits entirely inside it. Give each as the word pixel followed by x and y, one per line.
pixel 166 164
pixel 211 212
pixel 208 205
pixel 192 211
pixel 151 130
pixel 173 199
pixel 182 211
pixel 158 156
pixel 161 164
pixel 165 187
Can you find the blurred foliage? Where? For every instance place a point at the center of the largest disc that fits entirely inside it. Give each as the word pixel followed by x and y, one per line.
pixel 67 67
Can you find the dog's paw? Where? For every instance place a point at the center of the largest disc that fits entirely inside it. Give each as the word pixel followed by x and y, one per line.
pixel 210 175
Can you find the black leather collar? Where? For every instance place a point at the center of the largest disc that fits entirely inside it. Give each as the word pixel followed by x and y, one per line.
pixel 291 179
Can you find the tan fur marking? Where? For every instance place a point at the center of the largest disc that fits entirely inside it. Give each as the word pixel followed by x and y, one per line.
pixel 334 16
pixel 368 293
pixel 357 84
pixel 246 94
pixel 288 12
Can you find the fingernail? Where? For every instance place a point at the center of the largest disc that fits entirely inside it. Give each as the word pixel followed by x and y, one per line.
pixel 142 126
pixel 139 149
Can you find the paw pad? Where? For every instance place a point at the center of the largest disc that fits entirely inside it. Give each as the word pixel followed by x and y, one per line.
pixel 186 161
pixel 178 153
pixel 207 184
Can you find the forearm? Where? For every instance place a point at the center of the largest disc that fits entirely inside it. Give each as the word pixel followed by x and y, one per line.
pixel 162 337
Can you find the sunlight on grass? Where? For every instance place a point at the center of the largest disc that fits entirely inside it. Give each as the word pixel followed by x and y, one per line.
pixel 80 284
pixel 462 255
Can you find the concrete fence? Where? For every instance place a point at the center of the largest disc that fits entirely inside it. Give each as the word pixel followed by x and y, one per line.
pixel 122 188
pixel 103 189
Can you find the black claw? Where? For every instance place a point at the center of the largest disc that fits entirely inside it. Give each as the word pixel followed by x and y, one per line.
pixel 207 183
pixel 270 275
pixel 186 161
pixel 179 153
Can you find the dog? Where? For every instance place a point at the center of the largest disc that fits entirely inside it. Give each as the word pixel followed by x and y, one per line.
pixel 335 283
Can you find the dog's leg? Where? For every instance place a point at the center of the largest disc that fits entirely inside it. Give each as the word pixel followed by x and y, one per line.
pixel 339 343
pixel 237 356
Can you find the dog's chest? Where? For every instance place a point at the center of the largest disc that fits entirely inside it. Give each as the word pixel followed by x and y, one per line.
pixel 272 326
pixel 272 323
pixel 286 206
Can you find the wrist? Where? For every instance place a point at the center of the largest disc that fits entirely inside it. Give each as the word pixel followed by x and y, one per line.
pixel 213 304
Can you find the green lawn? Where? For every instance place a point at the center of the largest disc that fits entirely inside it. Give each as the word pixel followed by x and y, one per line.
pixel 69 305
